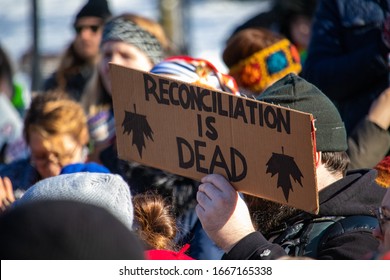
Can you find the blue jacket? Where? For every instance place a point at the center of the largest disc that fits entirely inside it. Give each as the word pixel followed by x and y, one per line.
pixel 347 59
pixel 22 175
pixel 192 232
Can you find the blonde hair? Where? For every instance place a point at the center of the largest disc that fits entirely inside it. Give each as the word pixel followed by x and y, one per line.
pixel 152 27
pixel 54 114
pixel 154 220
pixel 95 99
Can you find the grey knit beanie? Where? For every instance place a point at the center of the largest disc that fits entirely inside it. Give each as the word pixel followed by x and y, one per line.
pixel 108 191
pixel 124 30
pixel 296 93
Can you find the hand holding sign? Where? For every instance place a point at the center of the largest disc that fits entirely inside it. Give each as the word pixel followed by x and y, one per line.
pixel 223 214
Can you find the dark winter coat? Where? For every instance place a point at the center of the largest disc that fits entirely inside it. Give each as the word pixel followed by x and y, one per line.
pixel 22 175
pixel 75 82
pixel 279 16
pixel 355 194
pixel 347 59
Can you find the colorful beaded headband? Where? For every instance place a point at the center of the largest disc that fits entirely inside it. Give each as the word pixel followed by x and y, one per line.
pixel 266 66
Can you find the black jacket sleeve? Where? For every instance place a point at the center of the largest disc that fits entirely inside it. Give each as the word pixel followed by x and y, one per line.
pixel 349 246
pixel 254 247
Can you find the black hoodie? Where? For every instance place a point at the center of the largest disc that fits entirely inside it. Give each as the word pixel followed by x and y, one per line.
pixel 355 194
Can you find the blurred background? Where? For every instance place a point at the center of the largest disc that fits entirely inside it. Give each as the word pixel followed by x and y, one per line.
pixel 34 33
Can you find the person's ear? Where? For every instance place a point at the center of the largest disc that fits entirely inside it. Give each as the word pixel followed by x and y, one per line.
pixel 318 157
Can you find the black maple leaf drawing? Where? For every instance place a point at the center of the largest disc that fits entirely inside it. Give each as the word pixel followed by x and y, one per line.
pixel 285 166
pixel 140 127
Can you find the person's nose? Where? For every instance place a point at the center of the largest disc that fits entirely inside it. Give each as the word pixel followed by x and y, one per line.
pixel 84 33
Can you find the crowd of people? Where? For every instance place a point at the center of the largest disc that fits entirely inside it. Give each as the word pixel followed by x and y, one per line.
pixel 65 193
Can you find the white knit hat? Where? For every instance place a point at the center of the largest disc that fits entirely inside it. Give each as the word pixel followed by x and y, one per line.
pixel 108 191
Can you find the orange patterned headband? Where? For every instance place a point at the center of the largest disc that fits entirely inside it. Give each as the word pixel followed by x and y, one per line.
pixel 266 66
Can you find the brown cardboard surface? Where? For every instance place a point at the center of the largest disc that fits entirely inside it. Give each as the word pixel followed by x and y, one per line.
pixel 263 149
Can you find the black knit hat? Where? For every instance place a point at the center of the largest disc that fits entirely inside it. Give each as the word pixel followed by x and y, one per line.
pixel 296 7
pixel 65 230
pixel 94 8
pixel 298 94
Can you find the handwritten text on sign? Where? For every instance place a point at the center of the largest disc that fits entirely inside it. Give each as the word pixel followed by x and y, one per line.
pixel 192 131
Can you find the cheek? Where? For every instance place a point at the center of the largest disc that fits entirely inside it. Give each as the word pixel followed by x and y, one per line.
pixel 105 75
pixel 104 66
pixel 386 238
pixel 300 33
pixel 140 63
pixel 377 233
pixel 79 155
pixel 97 38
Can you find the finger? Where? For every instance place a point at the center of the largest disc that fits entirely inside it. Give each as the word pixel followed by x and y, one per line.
pixel 209 177
pixel 9 192
pixel 203 200
pixel 201 188
pixel 199 210
pixel 2 189
pixel 220 182
pixel 211 191
pixel 5 202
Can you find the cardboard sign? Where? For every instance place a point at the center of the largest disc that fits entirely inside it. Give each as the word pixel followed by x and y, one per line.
pixel 263 150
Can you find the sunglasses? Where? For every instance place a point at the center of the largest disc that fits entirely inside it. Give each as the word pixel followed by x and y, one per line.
pixel 382 218
pixel 80 28
pixel 53 158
